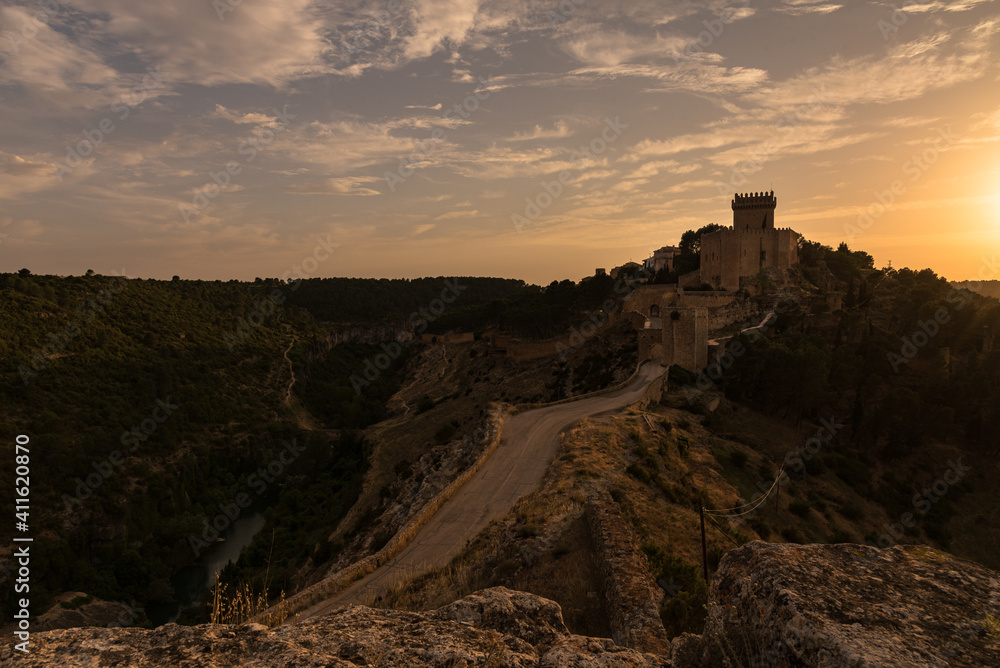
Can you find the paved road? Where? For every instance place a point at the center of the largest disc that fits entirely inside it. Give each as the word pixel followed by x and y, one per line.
pixel 530 441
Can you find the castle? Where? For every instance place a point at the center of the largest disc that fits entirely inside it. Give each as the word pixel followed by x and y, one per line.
pixel 673 322
pixel 752 244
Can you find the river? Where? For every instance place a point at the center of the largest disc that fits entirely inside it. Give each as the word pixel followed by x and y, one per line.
pixel 192 582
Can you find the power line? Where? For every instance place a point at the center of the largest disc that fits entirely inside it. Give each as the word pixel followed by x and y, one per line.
pixel 712 520
pixel 726 512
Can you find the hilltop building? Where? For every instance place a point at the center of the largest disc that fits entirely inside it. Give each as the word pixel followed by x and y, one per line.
pixel 662 259
pixel 753 243
pixel 675 320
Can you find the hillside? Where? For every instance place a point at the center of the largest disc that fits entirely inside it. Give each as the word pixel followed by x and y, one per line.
pixel 985 288
pixel 153 406
pixel 867 453
pixel 870 390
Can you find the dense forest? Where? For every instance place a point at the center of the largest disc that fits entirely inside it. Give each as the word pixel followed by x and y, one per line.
pixel 152 404
pixel 910 362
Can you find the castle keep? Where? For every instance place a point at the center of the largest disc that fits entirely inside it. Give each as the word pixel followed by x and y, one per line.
pixel 675 321
pixel 750 245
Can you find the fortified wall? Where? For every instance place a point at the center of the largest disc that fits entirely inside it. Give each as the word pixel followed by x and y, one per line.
pixel 674 324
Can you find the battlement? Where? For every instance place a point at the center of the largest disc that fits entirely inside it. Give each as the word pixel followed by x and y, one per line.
pixel 751 230
pixel 755 201
pixel 754 211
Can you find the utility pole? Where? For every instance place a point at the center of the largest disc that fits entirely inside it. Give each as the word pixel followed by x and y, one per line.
pixel 704 548
pixel 777 493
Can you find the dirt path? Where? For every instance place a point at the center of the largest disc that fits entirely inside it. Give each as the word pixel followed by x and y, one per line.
pixel 303 418
pixel 530 441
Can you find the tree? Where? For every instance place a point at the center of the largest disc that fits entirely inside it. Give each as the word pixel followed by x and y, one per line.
pixel 691 240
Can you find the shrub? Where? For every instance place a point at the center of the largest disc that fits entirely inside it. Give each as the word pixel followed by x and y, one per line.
pixel 841 536
pixel 792 535
pixel 817 502
pixel 529 530
pixel 738 458
pixel 76 602
pixel 762 528
pixel 852 511
pixel 815 466
pixel 683 446
pixel 800 508
pixel 685 610
pixel 444 433
pixel 638 472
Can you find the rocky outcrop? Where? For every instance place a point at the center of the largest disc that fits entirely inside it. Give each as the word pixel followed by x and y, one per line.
pixel 770 605
pixel 846 605
pixel 632 594
pixel 494 627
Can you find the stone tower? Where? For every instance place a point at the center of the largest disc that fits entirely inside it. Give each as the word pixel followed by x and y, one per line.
pixel 753 243
pixel 754 211
pixel 685 338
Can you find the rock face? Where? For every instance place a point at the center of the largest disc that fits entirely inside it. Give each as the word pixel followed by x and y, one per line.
pixel 632 595
pixel 846 605
pixel 494 627
pixel 770 605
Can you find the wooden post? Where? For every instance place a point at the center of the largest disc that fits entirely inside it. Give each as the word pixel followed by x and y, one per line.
pixel 704 548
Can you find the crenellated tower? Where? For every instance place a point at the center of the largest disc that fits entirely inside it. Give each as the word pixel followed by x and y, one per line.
pixel 752 244
pixel 754 211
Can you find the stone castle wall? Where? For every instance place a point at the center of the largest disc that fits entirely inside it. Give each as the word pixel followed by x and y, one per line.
pixel 729 254
pixel 685 337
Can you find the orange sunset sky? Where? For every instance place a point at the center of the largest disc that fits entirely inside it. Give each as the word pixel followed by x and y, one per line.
pixel 517 138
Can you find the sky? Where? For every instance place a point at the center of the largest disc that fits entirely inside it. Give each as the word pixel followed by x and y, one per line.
pixel 531 139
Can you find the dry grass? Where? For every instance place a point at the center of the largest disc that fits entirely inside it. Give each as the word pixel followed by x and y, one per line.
pixel 992 625
pixel 243 604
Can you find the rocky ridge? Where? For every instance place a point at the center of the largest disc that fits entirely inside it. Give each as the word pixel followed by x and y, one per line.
pixel 778 605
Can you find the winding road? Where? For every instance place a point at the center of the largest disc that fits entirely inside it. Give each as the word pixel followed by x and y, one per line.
pixel 529 443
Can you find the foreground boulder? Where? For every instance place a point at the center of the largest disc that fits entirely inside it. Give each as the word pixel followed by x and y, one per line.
pixel 846 605
pixel 494 627
pixel 769 605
